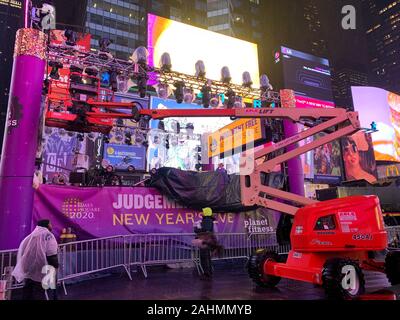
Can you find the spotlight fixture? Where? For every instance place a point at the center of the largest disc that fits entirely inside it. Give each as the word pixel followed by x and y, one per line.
pixel 55 68
pixel 128 138
pixel 139 137
pixel 189 129
pixel 114 80
pixel 71 37
pixel 104 44
pixel 179 91
pixel 265 85
pixel 226 75
pixel 122 83
pixel 231 98
pixel 140 56
pixel 200 69
pixel 106 138
pixel 246 78
pixel 206 95
pixel 92 71
pixel 188 95
pixel 80 137
pixel 165 62
pixel 163 90
pixel 214 101
pixel 76 73
pixel 161 126
pixel 175 126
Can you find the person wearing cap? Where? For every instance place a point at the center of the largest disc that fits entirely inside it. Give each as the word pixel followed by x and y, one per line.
pixel 37 250
pixel 206 241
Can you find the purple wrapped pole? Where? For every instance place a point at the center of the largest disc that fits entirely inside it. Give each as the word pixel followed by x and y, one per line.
pixel 20 139
pixel 295 167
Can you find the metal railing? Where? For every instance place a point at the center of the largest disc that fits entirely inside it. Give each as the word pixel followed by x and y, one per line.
pixel 82 258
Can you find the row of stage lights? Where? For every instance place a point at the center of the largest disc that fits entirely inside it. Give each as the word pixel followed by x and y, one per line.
pixel 169 83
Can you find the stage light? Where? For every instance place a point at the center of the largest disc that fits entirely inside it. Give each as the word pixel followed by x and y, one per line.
pixel 119 122
pixel 140 56
pixel 206 95
pixel 247 81
pixel 163 90
pixel 71 37
pixel 214 101
pixel 226 75
pixel 175 126
pixel 231 98
pixel 122 83
pixel 104 44
pixel 55 68
pixel 76 73
pixel 80 137
pixel 188 95
pixel 200 69
pixel 106 138
pixel 179 92
pixel 92 71
pixel 128 138
pixel 161 126
pixel 239 103
pixel 165 62
pixel 189 130
pixel 114 80
pixel 139 138
pixel 265 85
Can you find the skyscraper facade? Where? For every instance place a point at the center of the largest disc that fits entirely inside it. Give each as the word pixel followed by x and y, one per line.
pixel 125 21
pixel 382 25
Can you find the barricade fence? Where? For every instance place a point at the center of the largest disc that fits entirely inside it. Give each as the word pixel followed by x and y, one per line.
pixel 82 258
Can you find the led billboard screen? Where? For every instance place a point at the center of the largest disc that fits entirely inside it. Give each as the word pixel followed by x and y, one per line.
pixel 382 107
pixel 187 44
pixel 309 76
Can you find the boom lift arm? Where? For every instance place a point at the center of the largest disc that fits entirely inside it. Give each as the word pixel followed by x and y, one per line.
pixel 336 123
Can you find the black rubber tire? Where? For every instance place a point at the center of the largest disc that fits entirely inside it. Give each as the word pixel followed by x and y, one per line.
pixel 392 267
pixel 332 278
pixel 255 268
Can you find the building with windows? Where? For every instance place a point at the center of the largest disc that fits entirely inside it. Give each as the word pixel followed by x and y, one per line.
pixel 125 21
pixel 382 27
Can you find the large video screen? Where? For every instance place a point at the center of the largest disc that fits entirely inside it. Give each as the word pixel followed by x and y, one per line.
pixel 187 44
pixel 178 148
pixel 309 76
pixel 121 157
pixel 382 107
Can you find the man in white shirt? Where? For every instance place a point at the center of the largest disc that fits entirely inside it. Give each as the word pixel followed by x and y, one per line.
pixel 37 250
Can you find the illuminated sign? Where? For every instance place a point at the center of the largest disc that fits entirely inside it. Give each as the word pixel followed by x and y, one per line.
pixel 11 3
pixel 389 171
pixel 234 136
pixel 382 108
pixel 186 45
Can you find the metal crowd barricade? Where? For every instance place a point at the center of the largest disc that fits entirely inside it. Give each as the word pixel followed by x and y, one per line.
pixel 169 248
pixel 82 258
pixel 393 237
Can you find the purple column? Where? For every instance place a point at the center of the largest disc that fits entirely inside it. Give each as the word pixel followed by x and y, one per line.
pixel 20 139
pixel 295 167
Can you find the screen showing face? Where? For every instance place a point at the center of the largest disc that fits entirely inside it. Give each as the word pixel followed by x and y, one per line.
pixel 381 107
pixel 310 78
pixel 186 45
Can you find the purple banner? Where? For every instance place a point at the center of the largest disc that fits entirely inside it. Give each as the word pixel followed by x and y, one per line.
pixel 104 212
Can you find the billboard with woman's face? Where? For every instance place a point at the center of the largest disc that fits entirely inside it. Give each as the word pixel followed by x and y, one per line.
pixel 359 158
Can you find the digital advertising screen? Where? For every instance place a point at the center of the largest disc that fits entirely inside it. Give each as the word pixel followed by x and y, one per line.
pixel 187 44
pixel 123 156
pixel 382 107
pixel 359 159
pixel 167 147
pixel 309 76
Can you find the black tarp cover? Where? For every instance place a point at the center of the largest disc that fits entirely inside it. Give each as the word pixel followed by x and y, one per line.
pixel 199 190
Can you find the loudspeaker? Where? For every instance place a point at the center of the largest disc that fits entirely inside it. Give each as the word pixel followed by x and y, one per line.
pixel 77 177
